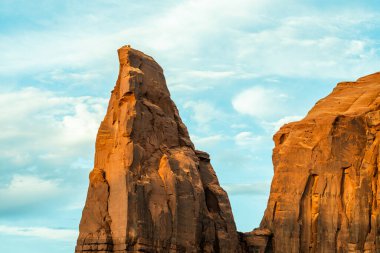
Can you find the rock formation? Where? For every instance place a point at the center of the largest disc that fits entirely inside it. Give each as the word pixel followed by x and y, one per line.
pixel 150 190
pixel 324 195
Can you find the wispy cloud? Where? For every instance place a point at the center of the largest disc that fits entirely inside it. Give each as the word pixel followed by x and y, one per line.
pixel 247 139
pixel 204 112
pixel 257 188
pixel 69 76
pixel 270 107
pixel 208 141
pixel 68 235
pixel 26 191
pixel 318 43
pixel 260 102
pixel 210 74
pixel 276 125
pixel 36 120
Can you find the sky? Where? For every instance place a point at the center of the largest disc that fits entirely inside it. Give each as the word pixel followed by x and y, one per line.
pixel 237 71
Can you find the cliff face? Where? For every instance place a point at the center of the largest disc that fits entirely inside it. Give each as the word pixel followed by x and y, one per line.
pixel 150 190
pixel 324 195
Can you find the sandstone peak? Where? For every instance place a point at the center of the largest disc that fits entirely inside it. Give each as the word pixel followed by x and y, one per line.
pixel 150 190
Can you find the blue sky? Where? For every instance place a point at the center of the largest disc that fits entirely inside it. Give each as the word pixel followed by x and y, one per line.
pixel 237 71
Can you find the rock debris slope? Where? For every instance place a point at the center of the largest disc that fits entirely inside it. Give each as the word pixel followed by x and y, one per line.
pixel 150 190
pixel 324 195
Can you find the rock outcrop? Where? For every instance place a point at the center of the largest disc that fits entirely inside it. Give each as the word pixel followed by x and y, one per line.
pixel 150 190
pixel 324 195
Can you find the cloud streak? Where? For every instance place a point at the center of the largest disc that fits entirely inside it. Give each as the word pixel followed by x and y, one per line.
pixel 313 44
pixel 258 188
pixel 67 235
pixel 25 191
pixel 260 102
pixel 40 124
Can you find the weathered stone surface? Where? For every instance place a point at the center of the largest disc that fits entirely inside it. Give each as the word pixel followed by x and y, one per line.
pixel 257 241
pixel 324 195
pixel 150 190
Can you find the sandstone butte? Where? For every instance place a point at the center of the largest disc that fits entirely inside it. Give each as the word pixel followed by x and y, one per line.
pixel 152 191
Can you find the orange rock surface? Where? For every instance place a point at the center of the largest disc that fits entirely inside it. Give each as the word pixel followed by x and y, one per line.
pixel 150 190
pixel 324 195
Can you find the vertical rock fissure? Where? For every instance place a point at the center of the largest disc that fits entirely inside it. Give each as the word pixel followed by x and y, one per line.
pixel 274 211
pixel 308 216
pixel 342 192
pixel 374 199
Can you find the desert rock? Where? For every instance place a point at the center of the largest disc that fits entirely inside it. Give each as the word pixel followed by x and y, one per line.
pixel 324 195
pixel 150 190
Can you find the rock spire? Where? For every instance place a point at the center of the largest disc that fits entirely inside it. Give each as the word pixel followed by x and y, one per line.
pixel 150 190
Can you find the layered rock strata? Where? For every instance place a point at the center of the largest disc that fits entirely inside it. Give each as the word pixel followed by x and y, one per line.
pixel 150 190
pixel 324 195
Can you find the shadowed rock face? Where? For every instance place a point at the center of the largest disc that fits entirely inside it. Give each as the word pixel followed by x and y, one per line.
pixel 150 190
pixel 324 195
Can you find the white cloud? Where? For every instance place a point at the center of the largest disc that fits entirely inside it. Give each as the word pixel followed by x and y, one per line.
pixel 56 48
pixel 247 139
pixel 247 38
pixel 24 191
pixel 180 86
pixel 269 106
pixel 41 124
pixel 164 32
pixel 207 141
pixel 210 74
pixel 63 75
pixel 260 102
pixel 279 123
pixel 316 46
pixel 74 206
pixel 168 31
pixel 239 126
pixel 204 112
pixel 68 235
pixel 257 188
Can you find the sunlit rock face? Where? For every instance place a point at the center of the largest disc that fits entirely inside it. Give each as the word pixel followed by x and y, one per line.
pixel 150 190
pixel 324 195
